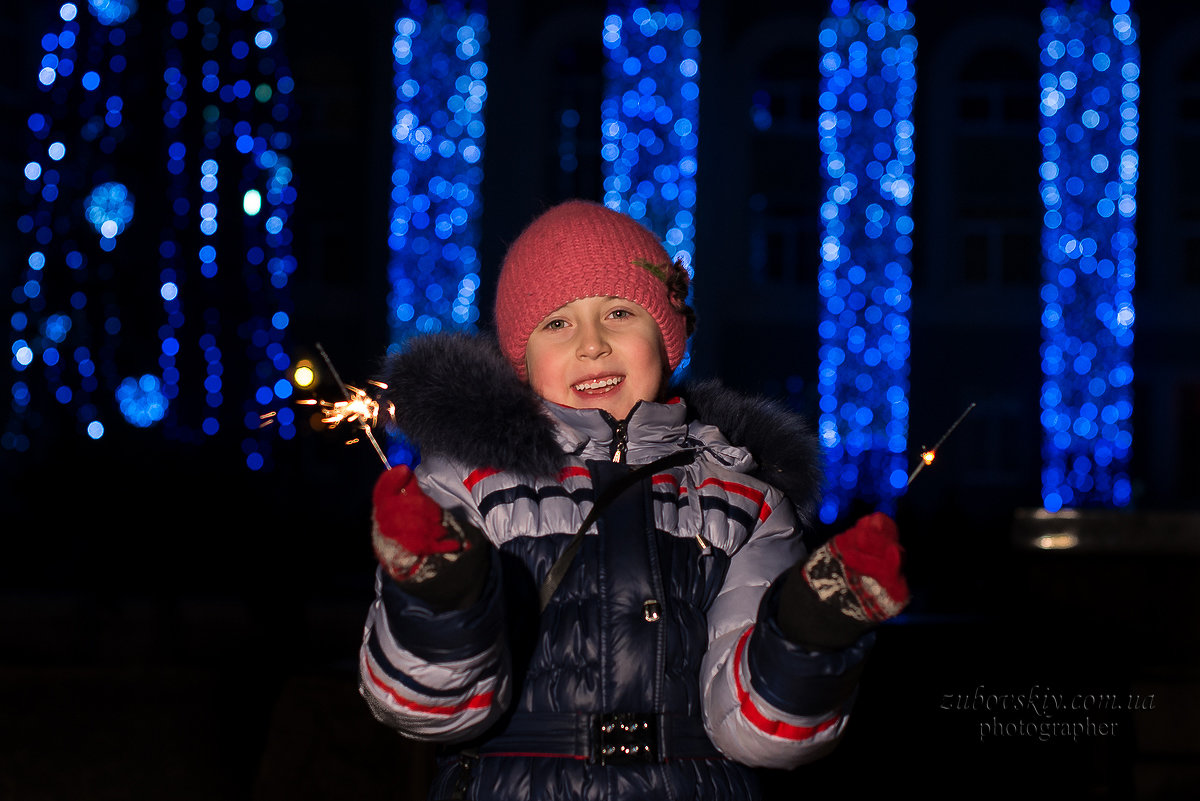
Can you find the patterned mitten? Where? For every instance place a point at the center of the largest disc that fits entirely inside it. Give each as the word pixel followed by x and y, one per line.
pixel 847 587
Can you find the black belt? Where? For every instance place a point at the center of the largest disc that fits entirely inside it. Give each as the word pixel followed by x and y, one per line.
pixel 606 739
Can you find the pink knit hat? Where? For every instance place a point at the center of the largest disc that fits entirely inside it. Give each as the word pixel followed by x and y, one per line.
pixel 580 249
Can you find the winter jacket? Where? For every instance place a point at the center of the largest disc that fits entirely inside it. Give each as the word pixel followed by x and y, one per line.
pixel 656 669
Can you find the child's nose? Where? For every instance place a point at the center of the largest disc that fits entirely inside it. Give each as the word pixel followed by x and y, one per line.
pixel 592 342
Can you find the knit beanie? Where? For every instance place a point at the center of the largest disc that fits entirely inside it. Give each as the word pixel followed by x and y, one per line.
pixel 580 249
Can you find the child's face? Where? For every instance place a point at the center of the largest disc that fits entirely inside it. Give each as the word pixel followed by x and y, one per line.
pixel 597 353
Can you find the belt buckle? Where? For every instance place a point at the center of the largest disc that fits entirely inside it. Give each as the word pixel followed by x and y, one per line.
pixel 624 737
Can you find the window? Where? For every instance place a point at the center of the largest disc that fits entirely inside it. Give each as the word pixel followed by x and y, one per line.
pixel 784 191
pixel 994 180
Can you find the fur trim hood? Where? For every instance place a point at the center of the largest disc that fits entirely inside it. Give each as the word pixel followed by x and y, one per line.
pixel 781 441
pixel 457 395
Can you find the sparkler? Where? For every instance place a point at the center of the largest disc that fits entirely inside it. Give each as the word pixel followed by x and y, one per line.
pixel 359 408
pixel 928 455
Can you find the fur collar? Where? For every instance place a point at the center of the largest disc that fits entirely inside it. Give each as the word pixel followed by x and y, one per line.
pixel 457 395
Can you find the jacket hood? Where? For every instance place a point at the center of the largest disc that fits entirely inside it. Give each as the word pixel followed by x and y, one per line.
pixel 457 395
pixel 782 442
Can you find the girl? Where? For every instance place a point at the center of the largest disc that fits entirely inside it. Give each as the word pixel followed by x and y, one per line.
pixel 594 587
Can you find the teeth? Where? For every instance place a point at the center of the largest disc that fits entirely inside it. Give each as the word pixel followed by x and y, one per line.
pixel 599 383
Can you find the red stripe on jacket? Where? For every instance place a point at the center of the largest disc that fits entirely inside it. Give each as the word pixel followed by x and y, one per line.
pixel 478 475
pixel 480 701
pixel 764 510
pixel 734 487
pixel 573 471
pixel 775 728
pixel 481 473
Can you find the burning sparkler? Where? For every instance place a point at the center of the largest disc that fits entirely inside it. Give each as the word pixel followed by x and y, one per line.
pixel 928 455
pixel 359 408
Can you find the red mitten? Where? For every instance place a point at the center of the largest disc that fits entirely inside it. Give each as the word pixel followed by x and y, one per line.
pixel 408 526
pixel 846 587
pixel 859 570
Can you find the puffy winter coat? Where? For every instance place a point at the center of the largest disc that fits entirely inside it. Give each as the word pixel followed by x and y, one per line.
pixel 656 669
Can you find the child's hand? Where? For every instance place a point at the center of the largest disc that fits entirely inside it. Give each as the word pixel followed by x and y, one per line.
pixel 859 570
pixel 422 546
pixel 408 525
pixel 849 585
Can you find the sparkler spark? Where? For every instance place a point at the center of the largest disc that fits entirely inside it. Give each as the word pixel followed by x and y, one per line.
pixel 358 409
pixel 928 455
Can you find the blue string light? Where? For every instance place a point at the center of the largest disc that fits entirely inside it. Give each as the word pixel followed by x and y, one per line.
pixel 142 400
pixel 225 102
pixel 868 82
pixel 1089 175
pixel 109 209
pixel 64 338
pixel 112 12
pixel 650 119
pixel 568 141
pixel 438 129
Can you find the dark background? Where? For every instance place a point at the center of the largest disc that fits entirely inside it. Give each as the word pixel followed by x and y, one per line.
pixel 175 626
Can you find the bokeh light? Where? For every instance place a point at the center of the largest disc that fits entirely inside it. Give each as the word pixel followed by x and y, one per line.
pixel 868 84
pixel 226 198
pixel 1089 134
pixel 438 130
pixel 650 120
pixel 109 209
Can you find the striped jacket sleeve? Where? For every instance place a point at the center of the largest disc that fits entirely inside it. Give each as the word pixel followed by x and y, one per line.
pixel 768 702
pixel 436 675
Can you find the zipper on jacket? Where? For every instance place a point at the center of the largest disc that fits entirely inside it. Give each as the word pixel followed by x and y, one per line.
pixel 620 440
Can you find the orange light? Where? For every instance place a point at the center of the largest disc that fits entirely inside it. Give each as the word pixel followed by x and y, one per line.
pixel 304 376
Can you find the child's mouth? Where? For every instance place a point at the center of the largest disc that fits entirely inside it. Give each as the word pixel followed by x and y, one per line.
pixel 598 386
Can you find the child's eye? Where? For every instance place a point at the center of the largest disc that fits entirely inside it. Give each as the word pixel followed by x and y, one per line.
pixel 620 314
pixel 555 325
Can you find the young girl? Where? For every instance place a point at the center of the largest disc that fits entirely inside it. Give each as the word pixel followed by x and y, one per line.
pixel 594 587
